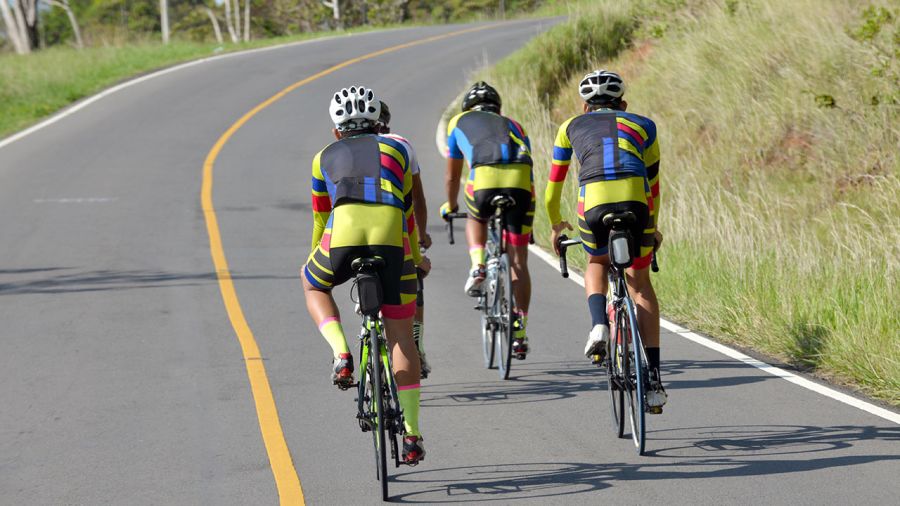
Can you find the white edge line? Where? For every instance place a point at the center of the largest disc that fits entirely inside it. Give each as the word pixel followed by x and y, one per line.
pixel 68 111
pixel 709 343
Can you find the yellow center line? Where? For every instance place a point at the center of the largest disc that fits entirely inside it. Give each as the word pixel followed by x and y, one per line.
pixel 286 480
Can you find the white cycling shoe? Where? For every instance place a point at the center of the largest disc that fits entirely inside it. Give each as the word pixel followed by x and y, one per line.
pixel 597 342
pixel 656 394
pixel 473 284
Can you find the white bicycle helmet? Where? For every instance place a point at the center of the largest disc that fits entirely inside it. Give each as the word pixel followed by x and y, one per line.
pixel 354 108
pixel 601 86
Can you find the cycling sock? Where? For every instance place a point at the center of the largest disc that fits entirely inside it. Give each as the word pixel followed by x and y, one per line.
pixel 519 333
pixel 409 402
pixel 597 306
pixel 476 253
pixel 333 333
pixel 652 357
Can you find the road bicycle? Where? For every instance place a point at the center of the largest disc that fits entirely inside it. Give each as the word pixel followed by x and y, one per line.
pixel 377 402
pixel 627 373
pixel 496 301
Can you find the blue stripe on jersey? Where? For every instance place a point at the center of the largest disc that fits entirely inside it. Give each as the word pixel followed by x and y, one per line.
pixel 609 155
pixel 562 154
pixel 390 176
pixel 319 185
pixel 504 152
pixel 369 189
pixel 462 143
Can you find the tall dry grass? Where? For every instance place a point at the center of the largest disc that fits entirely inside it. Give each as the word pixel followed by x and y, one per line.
pixel 780 170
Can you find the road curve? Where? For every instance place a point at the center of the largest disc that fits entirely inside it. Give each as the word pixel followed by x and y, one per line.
pixel 124 382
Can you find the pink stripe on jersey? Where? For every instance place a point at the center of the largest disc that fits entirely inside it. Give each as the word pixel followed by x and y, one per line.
pixel 390 163
pixel 630 131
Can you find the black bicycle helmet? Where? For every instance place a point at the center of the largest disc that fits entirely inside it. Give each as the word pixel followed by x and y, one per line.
pixel 385 117
pixel 482 97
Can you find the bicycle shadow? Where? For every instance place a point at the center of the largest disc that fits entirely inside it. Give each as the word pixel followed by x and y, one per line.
pixel 721 452
pixel 552 381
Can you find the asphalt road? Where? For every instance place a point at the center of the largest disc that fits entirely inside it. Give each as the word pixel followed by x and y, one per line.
pixel 122 381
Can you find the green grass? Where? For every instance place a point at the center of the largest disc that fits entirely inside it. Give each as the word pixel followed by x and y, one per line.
pixel 780 168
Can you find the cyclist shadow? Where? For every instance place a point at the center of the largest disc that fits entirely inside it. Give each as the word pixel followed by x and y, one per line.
pixel 702 453
pixel 534 383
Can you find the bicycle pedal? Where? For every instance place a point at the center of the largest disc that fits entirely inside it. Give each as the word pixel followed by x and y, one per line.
pixel 520 356
pixel 654 410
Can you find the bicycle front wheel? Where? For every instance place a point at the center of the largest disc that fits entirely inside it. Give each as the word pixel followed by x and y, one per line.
pixel 637 372
pixel 487 331
pixel 614 375
pixel 378 383
pixel 503 312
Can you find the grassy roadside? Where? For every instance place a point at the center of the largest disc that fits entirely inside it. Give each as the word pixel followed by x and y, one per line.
pixel 780 171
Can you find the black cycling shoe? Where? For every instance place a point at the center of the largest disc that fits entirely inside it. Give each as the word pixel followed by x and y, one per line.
pixel 413 450
pixel 520 348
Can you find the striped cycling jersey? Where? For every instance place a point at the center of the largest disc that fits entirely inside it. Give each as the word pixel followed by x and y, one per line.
pixel 486 138
pixel 610 145
pixel 368 169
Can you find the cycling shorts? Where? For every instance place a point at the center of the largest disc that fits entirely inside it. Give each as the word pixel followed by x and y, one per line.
pixel 359 230
pixel 513 180
pixel 597 199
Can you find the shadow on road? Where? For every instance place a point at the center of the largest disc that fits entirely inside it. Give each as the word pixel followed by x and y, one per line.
pixel 549 381
pixel 102 280
pixel 718 452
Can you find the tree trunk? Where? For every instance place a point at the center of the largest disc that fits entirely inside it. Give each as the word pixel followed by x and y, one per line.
pixel 246 20
pixel 164 20
pixel 236 8
pixel 20 24
pixel 229 22
pixel 215 23
pixel 64 5
pixel 12 29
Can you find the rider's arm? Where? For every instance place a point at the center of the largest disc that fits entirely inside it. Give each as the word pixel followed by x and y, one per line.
pixel 454 162
pixel 412 231
pixel 651 160
pixel 562 157
pixel 321 202
pixel 420 209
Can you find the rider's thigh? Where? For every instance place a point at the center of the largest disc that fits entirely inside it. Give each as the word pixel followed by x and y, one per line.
pixel 638 280
pixel 518 257
pixel 398 330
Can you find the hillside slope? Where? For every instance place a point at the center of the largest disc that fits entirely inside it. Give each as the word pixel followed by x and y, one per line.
pixel 780 168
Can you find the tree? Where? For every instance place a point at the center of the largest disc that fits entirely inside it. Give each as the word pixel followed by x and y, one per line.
pixel 21 24
pixel 164 20
pixel 64 5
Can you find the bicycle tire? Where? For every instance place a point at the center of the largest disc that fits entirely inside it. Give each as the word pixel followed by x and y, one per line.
pixel 614 377
pixel 487 332
pixel 503 307
pixel 377 378
pixel 636 400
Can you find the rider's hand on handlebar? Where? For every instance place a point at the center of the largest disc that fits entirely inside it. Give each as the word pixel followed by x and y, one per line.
pixel 425 266
pixel 556 232
pixel 424 240
pixel 446 209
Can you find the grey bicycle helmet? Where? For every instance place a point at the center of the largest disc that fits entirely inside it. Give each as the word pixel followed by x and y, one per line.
pixel 601 87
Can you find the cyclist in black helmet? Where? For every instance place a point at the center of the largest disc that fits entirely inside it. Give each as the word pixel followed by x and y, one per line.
pixel 499 156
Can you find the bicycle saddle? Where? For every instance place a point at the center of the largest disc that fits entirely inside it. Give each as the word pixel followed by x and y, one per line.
pixel 367 264
pixel 503 201
pixel 619 221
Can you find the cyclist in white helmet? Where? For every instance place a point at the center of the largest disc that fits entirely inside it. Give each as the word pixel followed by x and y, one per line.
pixel 362 207
pixel 619 171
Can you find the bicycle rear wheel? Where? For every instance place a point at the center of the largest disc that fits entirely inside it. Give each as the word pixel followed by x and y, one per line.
pixel 503 307
pixel 377 379
pixel 636 372
pixel 614 375
pixel 487 332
